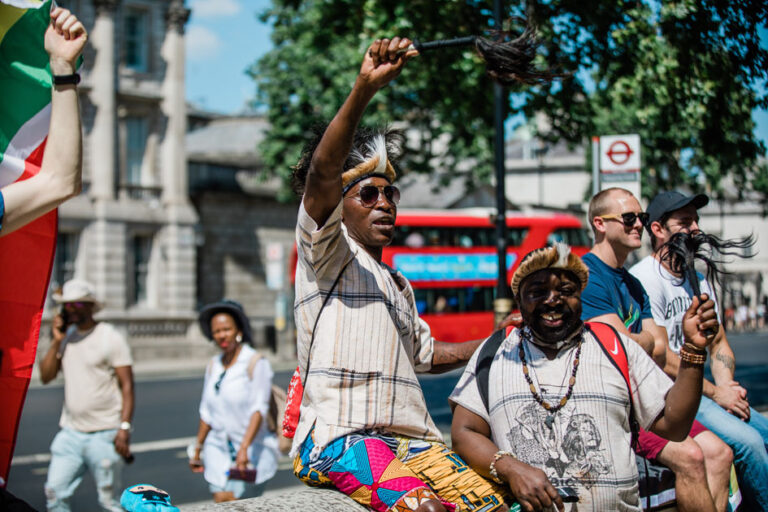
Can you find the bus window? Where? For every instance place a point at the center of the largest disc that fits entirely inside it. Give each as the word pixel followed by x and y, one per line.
pixel 453 300
pixel 463 237
pixel 575 237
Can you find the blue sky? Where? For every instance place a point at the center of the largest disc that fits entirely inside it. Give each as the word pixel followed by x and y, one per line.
pixel 224 37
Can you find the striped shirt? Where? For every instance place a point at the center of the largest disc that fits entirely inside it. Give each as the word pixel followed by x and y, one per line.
pixel 369 344
pixel 587 446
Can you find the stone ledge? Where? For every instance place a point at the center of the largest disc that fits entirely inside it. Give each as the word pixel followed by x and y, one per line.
pixel 317 500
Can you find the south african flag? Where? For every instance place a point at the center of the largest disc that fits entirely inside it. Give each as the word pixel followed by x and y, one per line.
pixel 26 254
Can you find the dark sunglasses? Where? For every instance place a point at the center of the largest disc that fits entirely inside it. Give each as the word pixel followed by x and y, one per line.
pixel 628 218
pixel 369 195
pixel 75 305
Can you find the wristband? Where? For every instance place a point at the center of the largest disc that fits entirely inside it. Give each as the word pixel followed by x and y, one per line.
pixel 492 468
pixel 126 425
pixel 692 358
pixel 73 79
pixel 690 347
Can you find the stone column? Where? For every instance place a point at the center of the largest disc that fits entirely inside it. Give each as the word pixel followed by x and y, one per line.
pixel 177 237
pixel 103 96
pixel 174 155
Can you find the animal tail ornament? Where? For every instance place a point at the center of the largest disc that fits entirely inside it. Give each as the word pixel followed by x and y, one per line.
pixel 508 59
pixel 683 250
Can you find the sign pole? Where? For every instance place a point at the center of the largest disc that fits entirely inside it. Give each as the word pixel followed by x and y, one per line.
pixel 502 305
pixel 595 165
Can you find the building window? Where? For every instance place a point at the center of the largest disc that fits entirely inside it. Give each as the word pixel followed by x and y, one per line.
pixel 136 40
pixel 64 259
pixel 136 129
pixel 141 249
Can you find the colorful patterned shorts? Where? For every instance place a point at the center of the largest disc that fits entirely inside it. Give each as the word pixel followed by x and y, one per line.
pixel 386 472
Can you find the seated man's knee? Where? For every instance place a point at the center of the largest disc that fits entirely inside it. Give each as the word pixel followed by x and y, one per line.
pixel 717 454
pixel 686 457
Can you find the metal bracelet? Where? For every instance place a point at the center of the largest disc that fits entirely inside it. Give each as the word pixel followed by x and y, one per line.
pixel 692 358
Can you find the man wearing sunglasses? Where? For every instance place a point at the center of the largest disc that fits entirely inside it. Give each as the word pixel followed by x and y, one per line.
pixel 360 339
pixel 615 297
pixel 98 399
pixel 724 407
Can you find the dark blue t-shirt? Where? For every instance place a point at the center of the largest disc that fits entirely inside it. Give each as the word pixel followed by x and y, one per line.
pixel 2 209
pixel 614 290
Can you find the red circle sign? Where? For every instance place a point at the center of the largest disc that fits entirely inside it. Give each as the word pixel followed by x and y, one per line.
pixel 619 152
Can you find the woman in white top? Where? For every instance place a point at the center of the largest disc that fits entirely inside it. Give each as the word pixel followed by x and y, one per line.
pixel 233 436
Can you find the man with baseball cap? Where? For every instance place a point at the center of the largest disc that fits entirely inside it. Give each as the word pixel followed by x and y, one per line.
pixel 98 399
pixel 744 429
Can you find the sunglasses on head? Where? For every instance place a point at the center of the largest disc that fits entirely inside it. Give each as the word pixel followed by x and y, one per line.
pixel 628 218
pixel 368 195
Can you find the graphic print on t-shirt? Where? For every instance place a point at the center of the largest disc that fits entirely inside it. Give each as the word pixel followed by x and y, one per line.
pixel 570 452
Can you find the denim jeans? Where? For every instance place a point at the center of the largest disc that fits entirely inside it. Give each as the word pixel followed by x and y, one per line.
pixel 749 442
pixel 73 452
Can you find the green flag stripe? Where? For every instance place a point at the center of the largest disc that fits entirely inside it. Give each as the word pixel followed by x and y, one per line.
pixel 24 73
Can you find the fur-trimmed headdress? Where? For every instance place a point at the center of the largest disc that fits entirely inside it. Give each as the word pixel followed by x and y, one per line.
pixel 557 256
pixel 374 161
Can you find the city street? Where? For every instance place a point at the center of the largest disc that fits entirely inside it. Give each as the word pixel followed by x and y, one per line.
pixel 166 422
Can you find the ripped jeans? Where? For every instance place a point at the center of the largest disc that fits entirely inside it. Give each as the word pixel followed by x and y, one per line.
pixel 73 452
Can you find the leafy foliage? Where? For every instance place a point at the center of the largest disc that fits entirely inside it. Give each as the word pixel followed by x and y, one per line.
pixel 684 74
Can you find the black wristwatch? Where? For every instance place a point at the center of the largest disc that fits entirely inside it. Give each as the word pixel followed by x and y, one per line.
pixel 73 79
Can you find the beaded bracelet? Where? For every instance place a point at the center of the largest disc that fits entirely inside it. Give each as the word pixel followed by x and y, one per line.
pixel 694 349
pixel 494 474
pixel 692 358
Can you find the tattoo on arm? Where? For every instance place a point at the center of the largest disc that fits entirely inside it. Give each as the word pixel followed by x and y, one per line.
pixel 726 360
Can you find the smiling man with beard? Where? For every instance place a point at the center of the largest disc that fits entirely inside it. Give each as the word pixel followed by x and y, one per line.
pixel 554 365
pixel 364 427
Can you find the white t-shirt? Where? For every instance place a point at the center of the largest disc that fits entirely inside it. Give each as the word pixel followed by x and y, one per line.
pixel 669 297
pixel 92 397
pixel 228 411
pixel 588 446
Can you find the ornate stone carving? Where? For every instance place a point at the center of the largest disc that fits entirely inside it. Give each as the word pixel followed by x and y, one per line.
pixel 176 16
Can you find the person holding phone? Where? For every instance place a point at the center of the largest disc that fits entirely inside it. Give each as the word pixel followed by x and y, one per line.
pixel 235 450
pixel 98 399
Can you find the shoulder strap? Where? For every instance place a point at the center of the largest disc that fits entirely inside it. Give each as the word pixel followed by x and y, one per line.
pixel 255 358
pixel 484 360
pixel 317 318
pixel 609 340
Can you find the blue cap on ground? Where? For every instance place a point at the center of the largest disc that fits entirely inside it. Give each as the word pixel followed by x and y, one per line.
pixel 146 498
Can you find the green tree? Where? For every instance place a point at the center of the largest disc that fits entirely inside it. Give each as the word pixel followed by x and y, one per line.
pixel 686 75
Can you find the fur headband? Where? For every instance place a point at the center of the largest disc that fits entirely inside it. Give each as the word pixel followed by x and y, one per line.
pixel 374 162
pixel 557 256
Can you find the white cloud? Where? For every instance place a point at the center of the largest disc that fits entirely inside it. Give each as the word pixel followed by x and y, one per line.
pixel 202 43
pixel 202 9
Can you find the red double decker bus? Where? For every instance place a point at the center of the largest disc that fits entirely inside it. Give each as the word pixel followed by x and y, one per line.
pixel 450 258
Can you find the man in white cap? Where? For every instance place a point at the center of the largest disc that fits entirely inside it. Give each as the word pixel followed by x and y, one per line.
pixel 724 407
pixel 98 399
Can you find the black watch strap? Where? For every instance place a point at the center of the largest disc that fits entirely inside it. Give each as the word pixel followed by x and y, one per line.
pixel 73 79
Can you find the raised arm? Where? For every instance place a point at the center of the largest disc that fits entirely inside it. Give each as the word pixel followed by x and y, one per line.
pixel 59 177
pixel 382 64
pixel 683 398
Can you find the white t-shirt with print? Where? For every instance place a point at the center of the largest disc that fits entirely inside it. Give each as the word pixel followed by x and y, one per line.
pixel 670 298
pixel 587 447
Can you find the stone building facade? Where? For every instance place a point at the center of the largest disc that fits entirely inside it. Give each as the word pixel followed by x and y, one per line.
pixel 132 230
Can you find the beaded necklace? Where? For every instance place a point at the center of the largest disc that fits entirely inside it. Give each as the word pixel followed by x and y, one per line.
pixel 551 409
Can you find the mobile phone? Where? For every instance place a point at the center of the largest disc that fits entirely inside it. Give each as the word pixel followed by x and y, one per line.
pixel 64 317
pixel 246 475
pixel 568 494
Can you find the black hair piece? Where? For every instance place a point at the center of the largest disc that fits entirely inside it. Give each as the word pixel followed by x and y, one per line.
pixel 508 59
pixel 683 249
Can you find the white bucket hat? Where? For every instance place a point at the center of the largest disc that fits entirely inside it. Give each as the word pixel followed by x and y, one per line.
pixel 78 290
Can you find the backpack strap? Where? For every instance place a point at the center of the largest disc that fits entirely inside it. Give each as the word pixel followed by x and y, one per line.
pixel 609 340
pixel 255 358
pixel 484 360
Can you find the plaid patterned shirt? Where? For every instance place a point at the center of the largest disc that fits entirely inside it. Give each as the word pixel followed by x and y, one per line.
pixel 369 344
